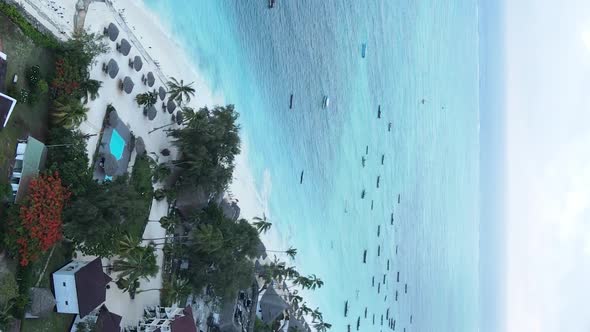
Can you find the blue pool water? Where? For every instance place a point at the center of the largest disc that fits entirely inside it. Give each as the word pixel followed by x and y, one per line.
pixel 117 144
pixel 416 50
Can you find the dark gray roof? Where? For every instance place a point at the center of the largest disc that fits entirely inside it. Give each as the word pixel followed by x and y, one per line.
pixel 139 146
pixel 272 305
pixel 137 63
pixel 42 301
pixel 113 68
pixel 108 321
pixel 113 32
pixel 124 47
pixel 184 323
pixel 162 93
pixel 171 106
pixel 91 284
pixel 151 113
pixel 113 118
pixel 151 79
pixel 128 84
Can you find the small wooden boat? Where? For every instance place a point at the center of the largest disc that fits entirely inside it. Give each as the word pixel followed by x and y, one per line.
pixel 384 278
pixel 399 198
pixel 378 288
pixel 396 249
pixel 379 112
pixel 381 320
pixel 387 314
pixel 364 50
pixel 391 219
pixel 382 159
pixel 363 194
pixel 373 319
pixel 388 265
pixel 365 312
pixel 389 127
pixel 371 205
pixel 378 230
pixel 411 318
pixel 301 178
pixel 345 308
pixel 397 276
pixel 365 258
pixel 396 296
pixel 363 160
pixel 326 101
pixel 373 282
pixel 378 250
pixel 271 3
pixel 378 178
pixel 367 149
pixel 406 288
pixel 358 323
pixel 291 102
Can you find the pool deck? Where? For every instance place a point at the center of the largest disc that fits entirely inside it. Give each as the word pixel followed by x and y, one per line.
pixel 104 149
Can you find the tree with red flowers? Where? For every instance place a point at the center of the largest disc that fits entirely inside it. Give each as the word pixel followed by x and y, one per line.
pixel 39 223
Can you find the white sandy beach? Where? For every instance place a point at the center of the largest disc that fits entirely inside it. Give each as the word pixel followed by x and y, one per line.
pixel 153 43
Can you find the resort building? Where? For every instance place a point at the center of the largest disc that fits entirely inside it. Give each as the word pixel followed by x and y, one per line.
pixel 80 287
pixel 99 320
pixel 169 320
pixel 271 305
pixel 29 160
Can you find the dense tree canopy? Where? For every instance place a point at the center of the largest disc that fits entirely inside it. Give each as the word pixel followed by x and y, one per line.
pixel 100 217
pixel 220 252
pixel 209 143
pixel 68 156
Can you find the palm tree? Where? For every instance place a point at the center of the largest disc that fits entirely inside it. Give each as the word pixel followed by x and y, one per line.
pixel 208 239
pixel 147 99
pixel 70 114
pixel 261 224
pixel 321 326
pixel 291 252
pixel 294 298
pixel 317 315
pixel 304 310
pixel 90 87
pixel 315 282
pixel 179 92
pixel 178 290
pixel 127 244
pixel 139 263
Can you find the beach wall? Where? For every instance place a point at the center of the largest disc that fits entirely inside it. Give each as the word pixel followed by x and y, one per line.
pixel 31 18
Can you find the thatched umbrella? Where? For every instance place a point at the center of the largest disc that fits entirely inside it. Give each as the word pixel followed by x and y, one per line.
pixel 179 118
pixel 42 301
pixel 151 79
pixel 111 164
pixel 151 113
pixel 124 47
pixel 162 93
pixel 113 32
pixel 139 146
pixel 113 118
pixel 108 321
pixel 113 68
pixel 171 106
pixel 137 63
pixel 127 84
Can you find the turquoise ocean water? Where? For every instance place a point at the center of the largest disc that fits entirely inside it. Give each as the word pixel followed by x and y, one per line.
pixel 416 50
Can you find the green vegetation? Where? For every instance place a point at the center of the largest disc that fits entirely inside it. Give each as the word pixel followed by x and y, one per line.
pixel 223 246
pixel 12 13
pixel 147 99
pixel 24 52
pixel 208 143
pixel 67 155
pixel 180 92
pixel 262 225
pixel 68 113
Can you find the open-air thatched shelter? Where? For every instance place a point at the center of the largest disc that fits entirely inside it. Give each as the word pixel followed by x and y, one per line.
pixel 151 113
pixel 126 85
pixel 151 79
pixel 112 31
pixel 112 68
pixel 170 106
pixel 139 146
pixel 162 93
pixel 124 47
pixel 137 63
pixel 42 302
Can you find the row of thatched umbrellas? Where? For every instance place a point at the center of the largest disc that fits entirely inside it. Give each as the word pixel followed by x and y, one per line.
pixel 126 84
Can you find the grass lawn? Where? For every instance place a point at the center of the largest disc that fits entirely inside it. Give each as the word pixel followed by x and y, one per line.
pixel 26 119
pixel 55 322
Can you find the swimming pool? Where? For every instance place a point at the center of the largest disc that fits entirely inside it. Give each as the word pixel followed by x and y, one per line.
pixel 117 144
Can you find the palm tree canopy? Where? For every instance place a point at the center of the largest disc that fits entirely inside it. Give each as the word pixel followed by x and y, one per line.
pixel 70 114
pixel 139 263
pixel 179 92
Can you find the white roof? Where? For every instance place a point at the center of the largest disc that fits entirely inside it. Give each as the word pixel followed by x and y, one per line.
pixel 3 56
